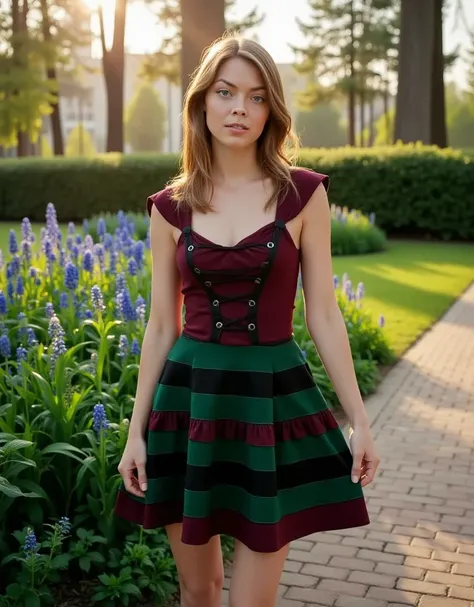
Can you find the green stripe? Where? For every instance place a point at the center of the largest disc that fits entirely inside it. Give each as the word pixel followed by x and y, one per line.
pixel 270 509
pixel 207 355
pixel 252 456
pixel 240 408
pixel 256 509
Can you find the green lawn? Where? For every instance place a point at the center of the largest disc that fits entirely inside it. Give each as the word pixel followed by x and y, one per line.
pixel 412 284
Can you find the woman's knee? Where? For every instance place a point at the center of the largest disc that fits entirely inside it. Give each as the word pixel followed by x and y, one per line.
pixel 201 592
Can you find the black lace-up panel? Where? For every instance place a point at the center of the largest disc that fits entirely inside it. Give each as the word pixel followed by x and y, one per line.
pixel 210 278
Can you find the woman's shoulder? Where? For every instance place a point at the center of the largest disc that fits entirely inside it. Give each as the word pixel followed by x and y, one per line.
pixel 307 180
pixel 164 203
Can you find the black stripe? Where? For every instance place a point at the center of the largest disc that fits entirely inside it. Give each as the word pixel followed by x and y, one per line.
pixel 256 384
pixel 255 482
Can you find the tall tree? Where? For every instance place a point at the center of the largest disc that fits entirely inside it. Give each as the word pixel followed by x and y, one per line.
pixel 420 105
pixel 344 40
pixel 113 65
pixel 167 61
pixel 145 120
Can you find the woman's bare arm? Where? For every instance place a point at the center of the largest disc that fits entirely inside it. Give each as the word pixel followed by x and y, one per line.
pixel 164 324
pixel 327 328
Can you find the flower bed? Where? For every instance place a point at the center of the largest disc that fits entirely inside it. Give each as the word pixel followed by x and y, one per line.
pixel 72 319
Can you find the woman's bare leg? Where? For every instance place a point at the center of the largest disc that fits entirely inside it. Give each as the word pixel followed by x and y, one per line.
pixel 255 577
pixel 200 570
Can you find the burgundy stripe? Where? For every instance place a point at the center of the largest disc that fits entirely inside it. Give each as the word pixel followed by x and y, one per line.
pixel 262 435
pixel 258 537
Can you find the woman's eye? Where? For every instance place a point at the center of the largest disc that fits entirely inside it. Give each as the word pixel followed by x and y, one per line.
pixel 259 98
pixel 223 92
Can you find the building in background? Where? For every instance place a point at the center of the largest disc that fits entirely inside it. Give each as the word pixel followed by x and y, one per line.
pixel 83 99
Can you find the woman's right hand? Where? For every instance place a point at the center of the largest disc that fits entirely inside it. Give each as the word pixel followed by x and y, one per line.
pixel 134 459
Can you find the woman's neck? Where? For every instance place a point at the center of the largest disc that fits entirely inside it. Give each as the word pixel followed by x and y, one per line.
pixel 231 167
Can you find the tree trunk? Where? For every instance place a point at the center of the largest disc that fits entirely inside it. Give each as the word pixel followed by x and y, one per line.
pixel 362 115
pixel 352 93
pixel 371 119
pixel 113 62
pixel 386 109
pixel 202 22
pixel 55 117
pixel 420 97
pixel 438 104
pixel 19 33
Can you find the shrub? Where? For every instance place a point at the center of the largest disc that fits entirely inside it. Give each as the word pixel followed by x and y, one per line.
pixel 72 319
pixel 410 188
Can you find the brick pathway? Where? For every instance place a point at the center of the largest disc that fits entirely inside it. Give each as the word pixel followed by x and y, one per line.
pixel 419 548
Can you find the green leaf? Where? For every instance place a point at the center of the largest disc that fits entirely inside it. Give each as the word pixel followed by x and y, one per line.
pixel 131 589
pixel 16 445
pixel 12 490
pixel 64 449
pixel 85 563
pixel 61 561
pixel 32 599
pixel 14 590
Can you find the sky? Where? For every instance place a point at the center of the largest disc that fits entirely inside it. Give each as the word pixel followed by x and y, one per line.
pixel 278 30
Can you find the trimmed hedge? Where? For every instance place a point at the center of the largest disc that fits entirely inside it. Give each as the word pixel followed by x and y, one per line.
pixel 411 188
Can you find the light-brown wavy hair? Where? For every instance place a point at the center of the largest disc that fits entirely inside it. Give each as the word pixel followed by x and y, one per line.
pixel 277 146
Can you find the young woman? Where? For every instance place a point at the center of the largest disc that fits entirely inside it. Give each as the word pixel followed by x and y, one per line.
pixel 229 434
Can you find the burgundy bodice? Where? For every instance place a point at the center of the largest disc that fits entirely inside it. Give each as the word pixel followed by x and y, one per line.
pixel 243 294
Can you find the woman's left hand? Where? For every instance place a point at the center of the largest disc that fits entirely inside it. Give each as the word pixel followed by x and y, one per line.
pixel 364 454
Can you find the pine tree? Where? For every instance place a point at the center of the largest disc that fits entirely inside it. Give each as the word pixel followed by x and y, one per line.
pixel 145 120
pixel 80 142
pixel 345 40
pixel 166 62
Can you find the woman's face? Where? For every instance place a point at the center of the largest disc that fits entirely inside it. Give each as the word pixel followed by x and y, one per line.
pixel 236 104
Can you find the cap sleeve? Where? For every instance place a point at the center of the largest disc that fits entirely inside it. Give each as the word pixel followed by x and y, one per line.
pixel 165 205
pixel 306 181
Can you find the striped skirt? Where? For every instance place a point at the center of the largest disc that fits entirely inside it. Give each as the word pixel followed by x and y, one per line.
pixel 241 442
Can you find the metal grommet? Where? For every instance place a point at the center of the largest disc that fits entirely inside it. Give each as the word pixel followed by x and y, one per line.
pixel 251 303
pixel 270 245
pixel 215 302
pixel 251 326
pixel 264 264
pixel 208 283
pixel 191 247
pixel 258 281
pixel 197 270
pixel 219 324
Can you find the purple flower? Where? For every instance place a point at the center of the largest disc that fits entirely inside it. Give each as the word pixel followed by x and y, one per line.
pixel 31 337
pixel 381 321
pixel 135 347
pixel 101 229
pixel 335 280
pixel 88 241
pixel 20 288
pixel 123 347
pixel 10 290
pixel 5 346
pixel 33 272
pixel 26 230
pixel 12 242
pixel 21 353
pixel 85 226
pixel 139 253
pixel 78 239
pixel 31 545
pixel 69 243
pixel 132 267
pixel 88 314
pixel 108 241
pixel 126 307
pixel 49 309
pixel 55 329
pixel 97 299
pixel 64 300
pixel 71 276
pixel 71 228
pixel 3 303
pixel 360 290
pixel 140 308
pixel 64 525
pixel 88 261
pixel 26 250
pixel 113 262
pixel 99 416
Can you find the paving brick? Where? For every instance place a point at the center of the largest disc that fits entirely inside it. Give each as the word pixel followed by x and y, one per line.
pixel 297 579
pixel 458 592
pixel 308 557
pixel 409 550
pixel 453 557
pixel 432 601
pixel 429 564
pixel 452 579
pixel 349 588
pixel 311 596
pixel 360 542
pixel 322 571
pixel 354 601
pixel 372 579
pixel 416 573
pixel 390 594
pixel 356 563
pixel 422 587
pixel 463 569
pixel 380 556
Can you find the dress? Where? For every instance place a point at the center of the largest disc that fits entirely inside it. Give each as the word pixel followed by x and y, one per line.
pixel 240 440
